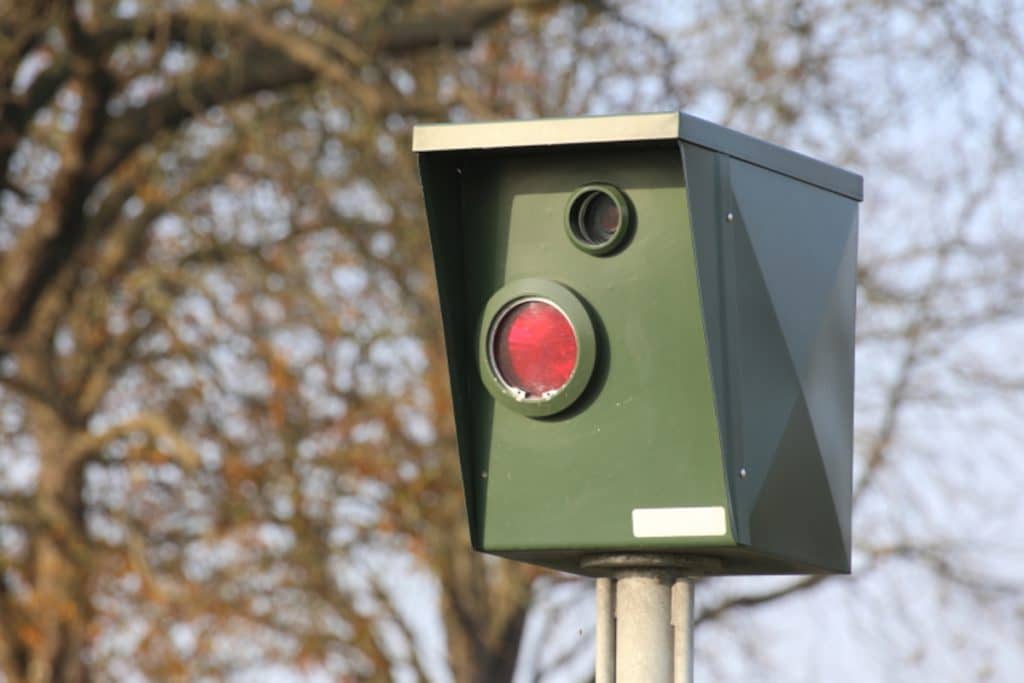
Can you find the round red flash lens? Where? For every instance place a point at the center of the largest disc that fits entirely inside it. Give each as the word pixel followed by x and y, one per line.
pixel 535 348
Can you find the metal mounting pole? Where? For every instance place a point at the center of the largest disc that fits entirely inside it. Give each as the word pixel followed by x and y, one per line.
pixel 644 628
pixel 682 622
pixel 604 632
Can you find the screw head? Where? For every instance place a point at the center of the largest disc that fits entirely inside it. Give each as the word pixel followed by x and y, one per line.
pixel 729 217
pixel 743 473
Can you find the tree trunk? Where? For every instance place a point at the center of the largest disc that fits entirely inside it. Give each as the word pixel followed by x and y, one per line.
pixel 484 605
pixel 473 657
pixel 55 651
pixel 53 639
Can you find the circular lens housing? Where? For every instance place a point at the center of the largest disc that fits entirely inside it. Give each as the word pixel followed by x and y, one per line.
pixel 597 218
pixel 534 349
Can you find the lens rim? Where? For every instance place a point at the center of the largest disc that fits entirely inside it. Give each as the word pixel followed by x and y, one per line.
pixel 565 301
pixel 575 210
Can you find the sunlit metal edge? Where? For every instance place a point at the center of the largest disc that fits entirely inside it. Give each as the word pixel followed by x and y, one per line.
pixel 439 137
pixel 541 132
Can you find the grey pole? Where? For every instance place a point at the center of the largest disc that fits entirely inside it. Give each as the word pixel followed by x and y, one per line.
pixel 643 631
pixel 644 628
pixel 604 632
pixel 682 622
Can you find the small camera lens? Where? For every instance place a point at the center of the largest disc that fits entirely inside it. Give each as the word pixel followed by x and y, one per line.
pixel 599 218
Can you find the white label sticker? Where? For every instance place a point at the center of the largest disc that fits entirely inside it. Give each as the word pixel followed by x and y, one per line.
pixel 678 522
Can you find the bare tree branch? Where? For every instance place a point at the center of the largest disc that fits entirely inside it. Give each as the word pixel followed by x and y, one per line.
pixel 154 426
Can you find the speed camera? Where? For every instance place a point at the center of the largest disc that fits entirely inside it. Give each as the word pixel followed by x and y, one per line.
pixel 649 323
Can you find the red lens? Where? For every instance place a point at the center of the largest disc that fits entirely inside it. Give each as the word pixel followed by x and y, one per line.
pixel 535 348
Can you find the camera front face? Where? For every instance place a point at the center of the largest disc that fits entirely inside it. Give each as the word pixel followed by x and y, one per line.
pixel 649 323
pixel 591 368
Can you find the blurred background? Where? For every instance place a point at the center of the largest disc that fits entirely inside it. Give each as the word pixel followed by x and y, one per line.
pixel 226 449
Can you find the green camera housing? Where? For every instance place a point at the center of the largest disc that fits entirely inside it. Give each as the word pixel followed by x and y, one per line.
pixel 710 280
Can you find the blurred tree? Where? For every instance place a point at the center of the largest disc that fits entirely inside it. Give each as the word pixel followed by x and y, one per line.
pixel 224 428
pixel 220 351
